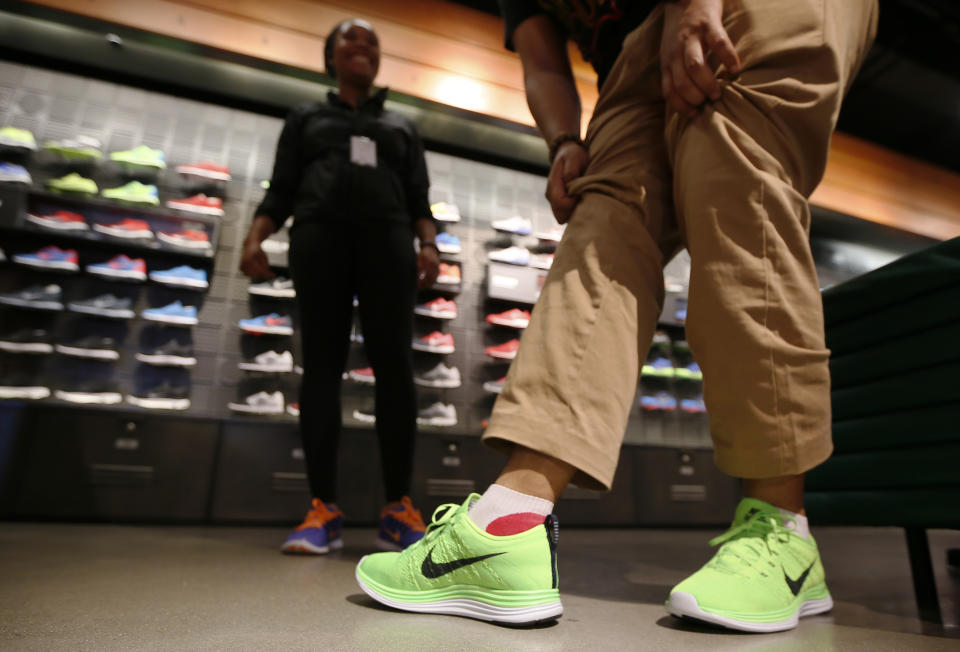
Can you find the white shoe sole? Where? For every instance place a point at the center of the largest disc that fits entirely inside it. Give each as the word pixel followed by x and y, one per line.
pixel 363 380
pixel 685 605
pixel 200 172
pixel 417 346
pixel 435 315
pixel 304 547
pixel 159 403
pixel 493 388
pixel 31 393
pixel 169 319
pixel 439 422
pixel 199 210
pixel 448 280
pixel 248 409
pixel 265 368
pixel 27 303
pixel 180 282
pixel 96 354
pixel 25 347
pixel 166 360
pixel 89 398
pixel 438 384
pixel 117 273
pixel 123 233
pixel 502 356
pixel 62 266
pixel 470 608
pixel 276 294
pixel 448 250
pixel 364 418
pixel 267 330
pixel 57 224
pixel 510 324
pixel 113 313
pixel 186 244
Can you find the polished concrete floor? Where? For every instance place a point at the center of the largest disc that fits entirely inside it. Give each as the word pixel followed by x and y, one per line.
pixel 105 587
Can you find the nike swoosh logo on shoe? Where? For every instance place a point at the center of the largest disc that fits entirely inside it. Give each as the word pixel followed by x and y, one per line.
pixel 432 570
pixel 797 584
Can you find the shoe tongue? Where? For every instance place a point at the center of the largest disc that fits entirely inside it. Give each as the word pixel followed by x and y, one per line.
pixel 748 506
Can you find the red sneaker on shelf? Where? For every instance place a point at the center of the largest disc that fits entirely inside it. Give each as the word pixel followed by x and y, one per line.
pixel 198 204
pixel 439 308
pixel 364 375
pixel 126 228
pixel 435 342
pixel 513 318
pixel 206 169
pixel 293 409
pixel 60 220
pixel 505 351
pixel 188 238
pixel 449 274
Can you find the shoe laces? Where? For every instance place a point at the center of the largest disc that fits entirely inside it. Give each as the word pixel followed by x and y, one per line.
pixel 441 516
pixel 319 514
pixel 406 513
pixel 744 547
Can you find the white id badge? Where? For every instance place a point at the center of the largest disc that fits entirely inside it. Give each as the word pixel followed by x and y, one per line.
pixel 363 151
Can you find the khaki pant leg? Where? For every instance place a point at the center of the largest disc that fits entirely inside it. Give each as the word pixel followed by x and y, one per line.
pixel 743 172
pixel 570 390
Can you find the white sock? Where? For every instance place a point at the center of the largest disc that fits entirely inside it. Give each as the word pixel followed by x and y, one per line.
pixel 800 526
pixel 498 501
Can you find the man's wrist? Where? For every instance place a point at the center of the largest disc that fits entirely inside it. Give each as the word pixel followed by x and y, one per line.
pixel 429 243
pixel 562 139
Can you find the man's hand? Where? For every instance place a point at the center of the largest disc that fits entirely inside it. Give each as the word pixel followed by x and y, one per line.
pixel 692 30
pixel 570 163
pixel 254 262
pixel 428 267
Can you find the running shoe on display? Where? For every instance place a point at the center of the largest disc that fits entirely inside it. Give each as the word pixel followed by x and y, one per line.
pixel 172 313
pixel 513 318
pixel 658 402
pixel 74 183
pixel 90 392
pixel 319 533
pixel 279 287
pixel 121 266
pixel 763 578
pixel 27 340
pixel 516 225
pixel 260 403
pixel 449 274
pixel 105 305
pixel 401 525
pixel 270 362
pixel 460 570
pixel 365 415
pixel 205 169
pixel 448 244
pixel 81 148
pixel 662 342
pixel 164 396
pixel 96 347
pixel 435 342
pixel 364 376
pixel 659 367
pixel 134 192
pixel 23 387
pixel 444 212
pixel 693 405
pixel 494 386
pixel 355 335
pixel 275 246
pixel 126 228
pixel 272 324
pixel 141 156
pixel 182 276
pixel 439 414
pixel 689 372
pixel 439 308
pixel 188 239
pixel 505 351
pixel 60 221
pixel 441 376
pixel 511 255
pixel 553 234
pixel 541 261
pixel 168 354
pixel 13 173
pixel 51 257
pixel 200 204
pixel 17 138
pixel 293 409
pixel 39 297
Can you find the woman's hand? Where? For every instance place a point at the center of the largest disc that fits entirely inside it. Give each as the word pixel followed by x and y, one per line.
pixel 428 266
pixel 254 262
pixel 692 30
pixel 570 162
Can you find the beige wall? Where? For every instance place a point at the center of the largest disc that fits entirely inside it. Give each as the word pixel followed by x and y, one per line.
pixel 454 55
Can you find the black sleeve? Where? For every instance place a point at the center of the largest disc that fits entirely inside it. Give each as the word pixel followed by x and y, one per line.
pixel 417 182
pixel 277 204
pixel 515 12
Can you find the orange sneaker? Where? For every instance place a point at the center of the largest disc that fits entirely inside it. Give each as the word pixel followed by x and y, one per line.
pixel 400 525
pixel 319 533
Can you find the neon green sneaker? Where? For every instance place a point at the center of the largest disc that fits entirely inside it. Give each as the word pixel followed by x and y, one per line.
pixel 460 570
pixel 762 579
pixel 13 137
pixel 81 148
pixel 134 192
pixel 73 182
pixel 142 156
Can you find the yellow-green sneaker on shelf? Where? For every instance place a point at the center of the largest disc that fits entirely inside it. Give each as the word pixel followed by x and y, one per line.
pixel 141 156
pixel 73 182
pixel 81 148
pixel 134 193
pixel 13 137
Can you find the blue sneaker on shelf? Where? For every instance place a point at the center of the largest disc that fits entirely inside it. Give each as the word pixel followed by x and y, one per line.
pixel 659 402
pixel 659 367
pixel 400 525
pixel 319 533
pixel 13 173
pixel 172 313
pixel 447 244
pixel 272 324
pixel 690 372
pixel 182 276
pixel 693 405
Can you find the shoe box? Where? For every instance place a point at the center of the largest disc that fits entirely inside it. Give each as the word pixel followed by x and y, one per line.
pixel 101 464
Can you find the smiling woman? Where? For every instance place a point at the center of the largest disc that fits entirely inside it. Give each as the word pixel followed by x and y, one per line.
pixel 354 177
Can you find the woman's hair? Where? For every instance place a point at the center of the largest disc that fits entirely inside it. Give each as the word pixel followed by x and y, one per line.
pixel 328 47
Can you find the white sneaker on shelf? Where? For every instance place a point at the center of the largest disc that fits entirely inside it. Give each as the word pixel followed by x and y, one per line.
pixel 260 403
pixel 270 361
